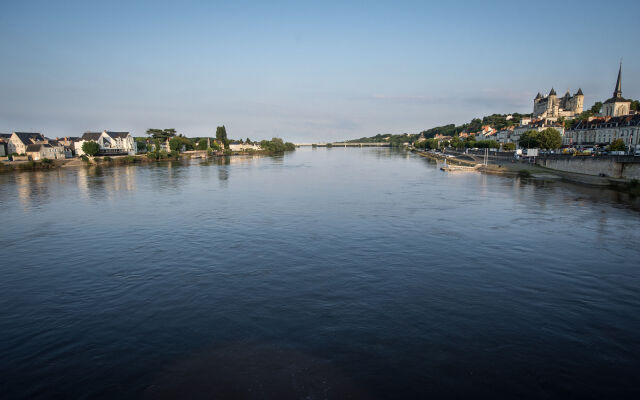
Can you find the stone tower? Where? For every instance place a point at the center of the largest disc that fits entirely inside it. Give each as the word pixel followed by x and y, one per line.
pixel 617 105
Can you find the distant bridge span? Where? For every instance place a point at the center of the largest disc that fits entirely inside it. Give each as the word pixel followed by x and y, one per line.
pixel 346 144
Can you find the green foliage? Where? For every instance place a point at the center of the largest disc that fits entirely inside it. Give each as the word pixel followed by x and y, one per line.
pixel 178 142
pixel 221 136
pixel 91 148
pixel 161 133
pixel 617 145
pixel 107 159
pixel 84 158
pixel 549 139
pixel 487 144
pixel 277 146
pixel 174 154
pixel 595 109
pixel 456 143
pixel 509 146
pixel 529 139
pixel 497 121
pixel 329 145
pixel 46 161
pixel 202 144
pixel 129 159
pixel 635 105
pixel 141 143
pixel 524 173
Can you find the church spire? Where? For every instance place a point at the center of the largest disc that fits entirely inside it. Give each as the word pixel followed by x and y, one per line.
pixel 618 92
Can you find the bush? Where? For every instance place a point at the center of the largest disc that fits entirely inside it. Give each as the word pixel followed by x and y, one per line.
pixel 509 146
pixel 617 145
pixel 91 148
pixel 46 161
pixel 277 146
pixel 523 173
pixel 84 158
pixel 129 159
pixel 107 159
pixel 202 144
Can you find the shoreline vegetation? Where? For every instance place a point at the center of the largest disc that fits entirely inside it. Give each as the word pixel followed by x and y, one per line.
pixel 273 147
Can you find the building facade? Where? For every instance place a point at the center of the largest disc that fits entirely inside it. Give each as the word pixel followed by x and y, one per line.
pixel 19 141
pixel 111 143
pixel 603 131
pixel 554 107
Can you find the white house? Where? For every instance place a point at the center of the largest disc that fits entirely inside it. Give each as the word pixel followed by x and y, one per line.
pixel 604 130
pixel 19 141
pixel 111 143
pixel 243 147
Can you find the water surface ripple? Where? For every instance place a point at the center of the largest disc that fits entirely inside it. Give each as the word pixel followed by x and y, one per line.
pixel 325 273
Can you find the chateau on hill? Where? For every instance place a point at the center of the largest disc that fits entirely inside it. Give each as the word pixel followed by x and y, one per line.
pixel 552 107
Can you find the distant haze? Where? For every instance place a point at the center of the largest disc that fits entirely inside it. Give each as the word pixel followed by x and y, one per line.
pixel 304 72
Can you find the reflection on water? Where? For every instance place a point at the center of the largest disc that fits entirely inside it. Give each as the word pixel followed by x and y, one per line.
pixel 325 273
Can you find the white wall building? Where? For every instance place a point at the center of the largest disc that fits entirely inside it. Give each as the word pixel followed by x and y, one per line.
pixel 19 141
pixel 604 130
pixel 111 143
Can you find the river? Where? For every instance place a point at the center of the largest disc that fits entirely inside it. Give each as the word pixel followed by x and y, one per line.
pixel 324 273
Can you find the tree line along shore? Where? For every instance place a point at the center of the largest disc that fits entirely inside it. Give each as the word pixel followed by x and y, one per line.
pixel 33 151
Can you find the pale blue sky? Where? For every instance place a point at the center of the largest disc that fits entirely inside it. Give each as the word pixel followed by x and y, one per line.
pixel 301 70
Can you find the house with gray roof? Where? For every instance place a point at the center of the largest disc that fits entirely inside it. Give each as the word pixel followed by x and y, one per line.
pixel 111 143
pixel 19 141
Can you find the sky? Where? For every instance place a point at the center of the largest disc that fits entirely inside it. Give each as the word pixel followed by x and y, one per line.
pixel 303 71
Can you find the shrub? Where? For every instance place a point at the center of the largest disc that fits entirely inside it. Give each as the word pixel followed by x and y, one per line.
pixel 84 158
pixel 523 173
pixel 46 161
pixel 91 148
pixel 107 159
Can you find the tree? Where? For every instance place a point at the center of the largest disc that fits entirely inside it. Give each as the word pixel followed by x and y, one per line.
pixel 595 109
pixel 141 144
pixel 221 135
pixel 277 146
pixel 91 148
pixel 549 139
pixel 635 105
pixel 617 145
pixel 202 144
pixel 161 133
pixel 178 142
pixel 456 143
pixel 529 139
pixel 509 146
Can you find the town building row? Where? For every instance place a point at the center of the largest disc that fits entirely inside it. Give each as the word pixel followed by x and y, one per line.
pixel 615 121
pixel 36 147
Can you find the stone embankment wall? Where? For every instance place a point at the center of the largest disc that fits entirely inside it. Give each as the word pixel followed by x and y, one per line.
pixel 627 167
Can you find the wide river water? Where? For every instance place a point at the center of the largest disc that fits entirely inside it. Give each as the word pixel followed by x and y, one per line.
pixel 326 273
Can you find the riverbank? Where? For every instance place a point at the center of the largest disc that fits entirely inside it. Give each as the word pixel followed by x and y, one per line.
pixel 534 171
pixel 20 166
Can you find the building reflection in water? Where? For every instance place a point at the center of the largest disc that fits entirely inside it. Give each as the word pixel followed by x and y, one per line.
pixel 33 188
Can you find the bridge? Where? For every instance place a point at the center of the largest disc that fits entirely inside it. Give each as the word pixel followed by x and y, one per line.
pixel 345 144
